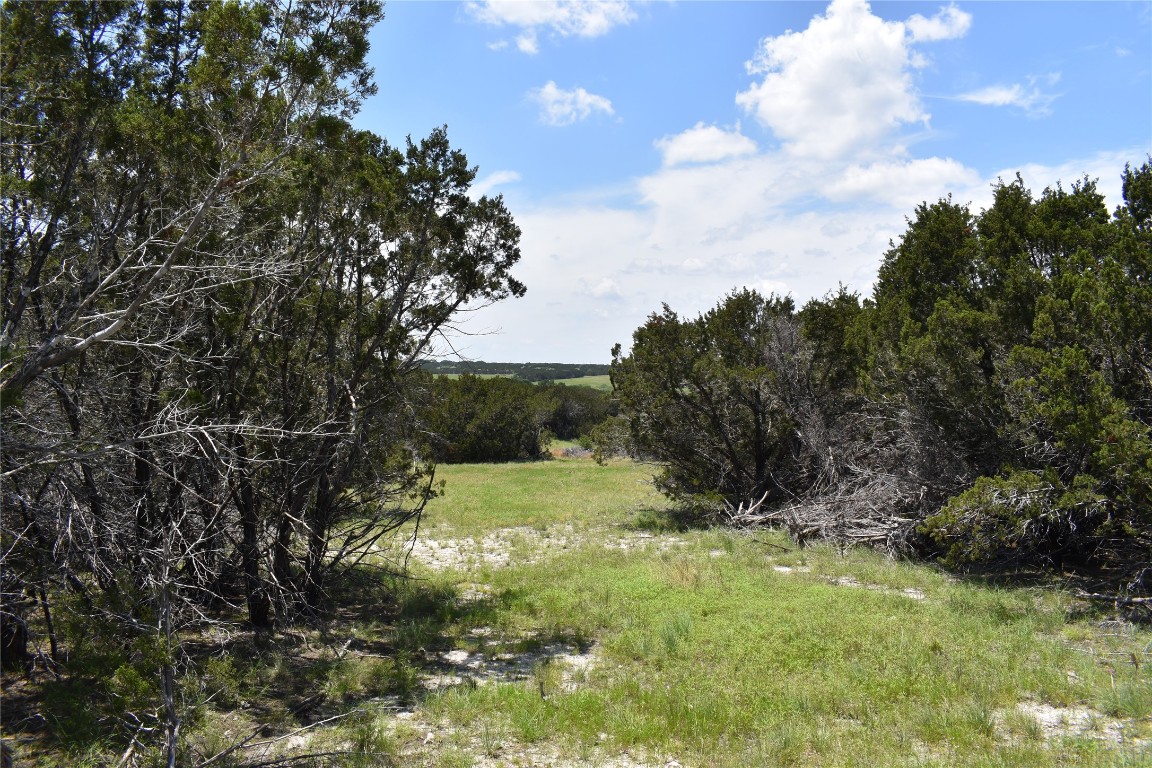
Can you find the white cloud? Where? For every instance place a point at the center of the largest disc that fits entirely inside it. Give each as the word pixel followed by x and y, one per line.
pixel 1034 101
pixel 995 95
pixel 799 218
pixel 704 144
pixel 607 288
pixel 1103 167
pixel 492 180
pixel 844 85
pixel 690 243
pixel 563 18
pixel 560 107
pixel 900 184
pixel 526 43
pixel 949 23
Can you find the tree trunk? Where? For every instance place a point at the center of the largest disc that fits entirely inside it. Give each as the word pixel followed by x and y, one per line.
pixel 259 606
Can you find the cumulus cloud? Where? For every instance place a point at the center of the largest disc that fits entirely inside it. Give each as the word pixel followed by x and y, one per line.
pixel 689 250
pixel 560 107
pixel 949 23
pixel 843 84
pixel 562 18
pixel 900 184
pixel 816 210
pixel 704 144
pixel 1031 98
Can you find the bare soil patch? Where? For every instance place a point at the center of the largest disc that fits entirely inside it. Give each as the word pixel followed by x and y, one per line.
pixel 522 545
pixel 1069 722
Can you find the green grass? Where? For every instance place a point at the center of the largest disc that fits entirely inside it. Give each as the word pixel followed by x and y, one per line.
pixel 709 654
pixel 479 498
pixel 602 382
pixel 712 647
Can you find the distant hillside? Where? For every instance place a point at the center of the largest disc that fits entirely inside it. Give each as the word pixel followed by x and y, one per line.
pixel 522 371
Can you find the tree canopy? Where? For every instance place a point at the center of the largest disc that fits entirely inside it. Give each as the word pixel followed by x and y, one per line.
pixel 990 403
pixel 216 296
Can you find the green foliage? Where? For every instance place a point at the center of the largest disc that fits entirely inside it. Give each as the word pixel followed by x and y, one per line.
pixel 1003 360
pixel 710 399
pixel 837 327
pixel 933 261
pixel 215 299
pixel 576 409
pixel 475 419
pixel 1059 425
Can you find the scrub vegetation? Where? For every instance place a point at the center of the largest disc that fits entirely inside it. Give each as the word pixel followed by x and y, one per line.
pixel 243 524
pixel 989 405
pixel 561 613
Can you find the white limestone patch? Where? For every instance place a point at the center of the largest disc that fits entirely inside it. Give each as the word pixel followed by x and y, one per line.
pixel 791 569
pixel 523 545
pixel 912 593
pixel 498 549
pixel 570 663
pixel 1062 722
pixel 643 540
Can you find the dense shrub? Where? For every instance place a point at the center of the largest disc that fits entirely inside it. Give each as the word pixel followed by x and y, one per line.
pixel 471 419
pixel 474 419
pixel 993 397
pixel 728 403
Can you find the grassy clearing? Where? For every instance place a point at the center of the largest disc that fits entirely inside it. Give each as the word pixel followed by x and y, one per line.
pixel 720 649
pixel 577 623
pixel 602 382
pixel 480 498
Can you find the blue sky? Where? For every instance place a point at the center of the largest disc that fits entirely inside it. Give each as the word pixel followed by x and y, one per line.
pixel 669 152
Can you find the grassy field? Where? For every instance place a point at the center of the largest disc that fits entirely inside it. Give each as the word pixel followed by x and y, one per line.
pixel 559 615
pixel 602 383
pixel 716 648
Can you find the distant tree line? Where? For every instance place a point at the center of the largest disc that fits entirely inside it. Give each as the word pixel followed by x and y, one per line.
pixel 990 403
pixel 523 371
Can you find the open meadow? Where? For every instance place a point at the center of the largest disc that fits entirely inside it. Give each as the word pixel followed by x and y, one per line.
pixel 560 616
pixel 602 382
pixel 320 441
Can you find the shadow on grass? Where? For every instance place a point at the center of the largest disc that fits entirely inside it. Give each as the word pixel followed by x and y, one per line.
pixel 1102 594
pixel 387 641
pixel 673 519
pixel 377 642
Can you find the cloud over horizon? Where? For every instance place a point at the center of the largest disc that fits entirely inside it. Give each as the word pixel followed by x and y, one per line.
pixel 835 151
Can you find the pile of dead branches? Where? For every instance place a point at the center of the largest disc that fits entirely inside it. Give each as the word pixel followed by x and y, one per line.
pixel 879 511
pixel 880 473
